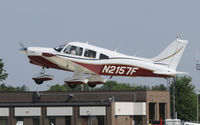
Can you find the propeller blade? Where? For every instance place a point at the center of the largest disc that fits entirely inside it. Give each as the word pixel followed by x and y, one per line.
pixel 23 48
pixel 21 44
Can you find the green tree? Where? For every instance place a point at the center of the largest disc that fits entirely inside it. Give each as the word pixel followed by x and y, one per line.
pixel 3 74
pixel 4 88
pixel 159 87
pixel 108 85
pixel 58 87
pixel 185 98
pixel 83 87
pixel 113 85
pixel 122 86
pixel 141 88
pixel 23 88
pixel 65 87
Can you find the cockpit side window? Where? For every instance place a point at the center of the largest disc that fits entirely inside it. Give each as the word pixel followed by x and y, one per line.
pixel 74 50
pixel 90 53
pixel 103 56
pixel 59 48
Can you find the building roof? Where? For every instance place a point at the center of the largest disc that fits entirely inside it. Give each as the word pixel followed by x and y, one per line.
pixel 75 98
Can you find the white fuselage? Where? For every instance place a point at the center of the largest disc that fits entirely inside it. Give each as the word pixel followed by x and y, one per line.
pixel 102 61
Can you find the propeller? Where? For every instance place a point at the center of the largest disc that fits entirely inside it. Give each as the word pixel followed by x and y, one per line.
pixel 23 48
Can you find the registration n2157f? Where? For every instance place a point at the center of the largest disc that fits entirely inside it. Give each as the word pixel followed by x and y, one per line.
pixel 119 70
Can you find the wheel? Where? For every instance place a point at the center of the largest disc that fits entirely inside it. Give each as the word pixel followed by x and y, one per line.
pixel 92 85
pixel 39 82
pixel 71 85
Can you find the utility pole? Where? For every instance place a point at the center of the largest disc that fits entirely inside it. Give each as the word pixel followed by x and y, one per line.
pixel 174 99
pixel 171 83
pixel 197 108
pixel 197 91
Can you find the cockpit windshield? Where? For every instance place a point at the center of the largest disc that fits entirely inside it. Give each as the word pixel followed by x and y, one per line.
pixel 59 48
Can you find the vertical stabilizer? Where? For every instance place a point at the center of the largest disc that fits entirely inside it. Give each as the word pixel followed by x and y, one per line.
pixel 171 56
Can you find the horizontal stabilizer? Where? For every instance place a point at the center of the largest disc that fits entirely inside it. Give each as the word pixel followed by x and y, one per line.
pixel 170 73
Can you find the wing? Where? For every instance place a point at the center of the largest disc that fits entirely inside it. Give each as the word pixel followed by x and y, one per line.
pixel 79 71
pixel 67 64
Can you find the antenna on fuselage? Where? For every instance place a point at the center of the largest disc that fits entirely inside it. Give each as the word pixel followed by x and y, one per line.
pixel 116 50
pixel 136 53
pixel 177 37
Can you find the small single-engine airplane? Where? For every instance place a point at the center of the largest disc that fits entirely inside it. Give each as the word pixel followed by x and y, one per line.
pixel 83 58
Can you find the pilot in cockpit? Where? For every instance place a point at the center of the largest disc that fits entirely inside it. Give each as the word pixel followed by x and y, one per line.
pixel 73 50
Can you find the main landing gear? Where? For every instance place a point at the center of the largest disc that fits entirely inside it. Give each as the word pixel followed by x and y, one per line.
pixel 72 82
pixel 41 77
pixel 92 81
pixel 92 85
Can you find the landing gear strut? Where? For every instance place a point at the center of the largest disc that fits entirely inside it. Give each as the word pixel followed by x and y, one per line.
pixel 39 81
pixel 43 70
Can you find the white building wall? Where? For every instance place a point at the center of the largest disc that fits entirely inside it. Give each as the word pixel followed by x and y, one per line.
pixel 139 108
pixel 27 111
pixel 130 108
pixel 93 111
pixel 59 111
pixel 4 112
pixel 124 108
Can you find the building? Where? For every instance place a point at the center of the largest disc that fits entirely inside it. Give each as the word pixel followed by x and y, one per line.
pixel 83 108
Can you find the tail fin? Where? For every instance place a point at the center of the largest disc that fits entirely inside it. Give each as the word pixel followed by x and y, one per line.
pixel 171 56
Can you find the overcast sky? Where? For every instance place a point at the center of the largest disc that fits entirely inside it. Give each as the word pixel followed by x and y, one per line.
pixel 142 28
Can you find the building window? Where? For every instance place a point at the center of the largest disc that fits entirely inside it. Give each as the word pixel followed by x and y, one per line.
pixel 68 121
pixel 52 121
pixel 152 112
pixel 3 122
pixel 162 110
pixel 36 121
pixel 101 120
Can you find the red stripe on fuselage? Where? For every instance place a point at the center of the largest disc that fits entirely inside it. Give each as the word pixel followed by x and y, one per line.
pixel 38 60
pixel 92 67
pixel 118 70
pixel 100 69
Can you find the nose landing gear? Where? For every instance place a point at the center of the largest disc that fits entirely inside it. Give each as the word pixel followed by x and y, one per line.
pixel 41 77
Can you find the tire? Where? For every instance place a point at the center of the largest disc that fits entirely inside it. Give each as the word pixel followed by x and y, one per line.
pixel 92 85
pixel 39 82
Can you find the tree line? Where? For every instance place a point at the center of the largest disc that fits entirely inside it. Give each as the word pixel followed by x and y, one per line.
pixel 108 86
pixel 184 92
